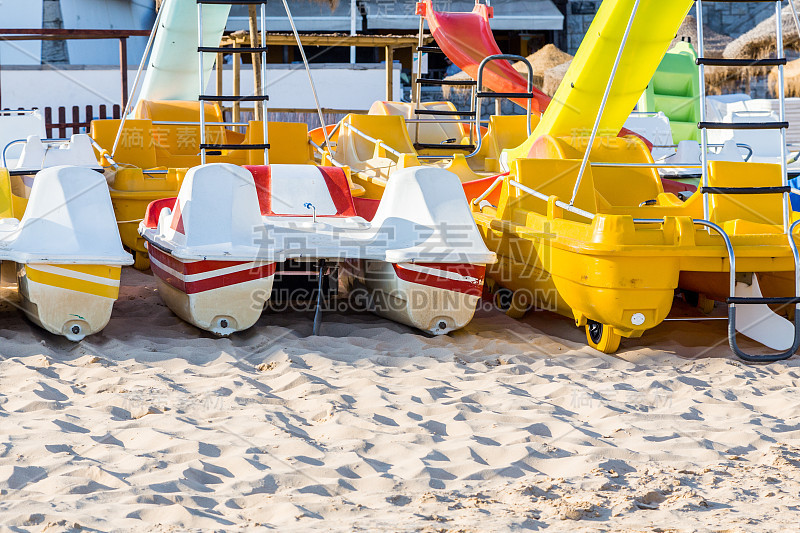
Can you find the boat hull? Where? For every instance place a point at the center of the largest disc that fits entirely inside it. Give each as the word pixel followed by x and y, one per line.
pixel 222 297
pixel 69 300
pixel 435 298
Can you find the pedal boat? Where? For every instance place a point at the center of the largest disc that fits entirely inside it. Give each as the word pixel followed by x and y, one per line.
pixel 216 248
pixel 65 250
pixel 613 258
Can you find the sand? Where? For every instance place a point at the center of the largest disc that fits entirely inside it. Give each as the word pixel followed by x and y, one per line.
pixel 507 425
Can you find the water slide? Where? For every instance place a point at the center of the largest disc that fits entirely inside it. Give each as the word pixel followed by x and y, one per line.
pixel 172 72
pixel 466 38
pixel 576 104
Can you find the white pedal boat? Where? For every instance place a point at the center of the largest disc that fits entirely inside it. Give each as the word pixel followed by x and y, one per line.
pixel 216 248
pixel 66 250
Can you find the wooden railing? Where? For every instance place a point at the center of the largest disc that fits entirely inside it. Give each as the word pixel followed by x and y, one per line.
pixel 58 129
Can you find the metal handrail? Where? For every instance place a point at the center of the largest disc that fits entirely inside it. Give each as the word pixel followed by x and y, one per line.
pixel 489 191
pixel 642 165
pixel 479 87
pixel 603 102
pixel 373 140
pixel 9 145
pixel 746 146
pixel 104 153
pixel 18 111
pixel 443 121
pixel 732 289
pixel 568 207
pixel 190 123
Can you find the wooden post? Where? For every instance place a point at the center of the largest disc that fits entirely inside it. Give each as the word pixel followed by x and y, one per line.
pixel 389 73
pixel 123 68
pixel 256 57
pixel 220 62
pixel 237 86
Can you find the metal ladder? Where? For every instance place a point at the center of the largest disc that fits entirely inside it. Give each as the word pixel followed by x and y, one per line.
pixel 216 148
pixel 784 190
pixel 453 116
pixel 478 93
pixel 481 94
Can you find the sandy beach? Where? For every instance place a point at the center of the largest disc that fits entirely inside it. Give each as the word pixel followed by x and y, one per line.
pixel 506 425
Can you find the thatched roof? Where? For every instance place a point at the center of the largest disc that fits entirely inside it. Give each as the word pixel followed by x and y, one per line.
pixel 792 74
pixel 759 42
pixel 454 91
pixel 714 43
pixel 553 78
pixel 543 60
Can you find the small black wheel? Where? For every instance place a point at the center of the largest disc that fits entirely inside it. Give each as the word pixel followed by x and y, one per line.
pixel 602 337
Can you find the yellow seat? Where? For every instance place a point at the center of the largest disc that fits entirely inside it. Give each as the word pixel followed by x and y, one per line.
pixel 184 139
pixel 288 143
pixel 433 133
pixel 551 177
pixel 505 132
pixel 135 147
pixel 6 206
pixel 746 209
pixel 617 186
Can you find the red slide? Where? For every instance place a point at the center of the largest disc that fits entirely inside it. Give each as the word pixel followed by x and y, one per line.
pixel 466 38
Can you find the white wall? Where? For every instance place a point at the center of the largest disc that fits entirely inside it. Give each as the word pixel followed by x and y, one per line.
pixel 106 14
pixel 338 88
pixel 21 14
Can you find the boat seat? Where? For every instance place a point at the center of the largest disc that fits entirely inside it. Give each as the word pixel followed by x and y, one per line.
pixel 136 146
pixel 284 190
pixel 288 143
pixel 352 149
pixel 504 132
pixel 184 140
pixel 436 133
pixel 37 155
pixel 619 186
pixel 553 177
pixel 760 209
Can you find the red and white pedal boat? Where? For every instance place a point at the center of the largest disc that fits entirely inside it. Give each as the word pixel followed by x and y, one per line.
pixel 215 249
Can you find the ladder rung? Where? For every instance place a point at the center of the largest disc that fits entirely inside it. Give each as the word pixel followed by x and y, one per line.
pixel 743 125
pixel 745 190
pixel 228 50
pixel 210 98
pixel 447 113
pixel 444 146
pixel 430 81
pixel 430 49
pixel 720 62
pixel 234 147
pixel 762 301
pixel 507 95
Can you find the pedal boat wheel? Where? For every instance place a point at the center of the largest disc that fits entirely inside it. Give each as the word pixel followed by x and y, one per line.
pixel 602 338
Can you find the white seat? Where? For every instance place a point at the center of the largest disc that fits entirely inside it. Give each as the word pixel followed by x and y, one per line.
pixel 14 127
pixel 38 154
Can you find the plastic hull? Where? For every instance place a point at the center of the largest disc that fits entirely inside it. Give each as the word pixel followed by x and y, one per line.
pixel 218 296
pixel 69 300
pixel 435 298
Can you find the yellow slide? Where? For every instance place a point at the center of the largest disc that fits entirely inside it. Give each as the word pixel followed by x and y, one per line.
pixel 575 105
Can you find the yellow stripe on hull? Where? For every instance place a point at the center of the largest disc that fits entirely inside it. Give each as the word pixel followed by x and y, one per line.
pixel 64 280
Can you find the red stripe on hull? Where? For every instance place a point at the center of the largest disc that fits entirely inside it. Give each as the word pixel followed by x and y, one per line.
pixel 210 283
pixel 430 280
pixel 192 267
